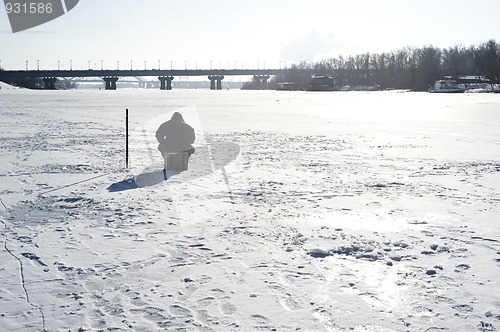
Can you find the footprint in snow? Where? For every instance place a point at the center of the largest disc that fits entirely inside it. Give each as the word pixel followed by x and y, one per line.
pixel 259 320
pixel 462 268
pixel 289 303
pixel 36 260
pixel 177 310
pixel 227 308
pixel 205 302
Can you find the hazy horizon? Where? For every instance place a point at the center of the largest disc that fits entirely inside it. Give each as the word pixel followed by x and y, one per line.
pixel 228 34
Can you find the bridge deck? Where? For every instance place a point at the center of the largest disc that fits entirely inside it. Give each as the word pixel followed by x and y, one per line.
pixel 150 72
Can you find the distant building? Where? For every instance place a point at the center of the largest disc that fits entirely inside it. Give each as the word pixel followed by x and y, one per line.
pixel 322 83
pixel 316 83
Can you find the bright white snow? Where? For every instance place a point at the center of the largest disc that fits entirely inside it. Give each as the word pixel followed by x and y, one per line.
pixel 300 211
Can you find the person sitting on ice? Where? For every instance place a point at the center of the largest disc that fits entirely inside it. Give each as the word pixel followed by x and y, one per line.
pixel 175 138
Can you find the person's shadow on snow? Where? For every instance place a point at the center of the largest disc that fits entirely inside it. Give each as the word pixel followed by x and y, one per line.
pixel 206 160
pixel 147 179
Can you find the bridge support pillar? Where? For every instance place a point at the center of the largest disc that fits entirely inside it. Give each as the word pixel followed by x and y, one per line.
pixel 212 82
pixel 166 82
pixel 49 83
pixel 216 78
pixel 110 82
pixel 261 81
pixel 219 82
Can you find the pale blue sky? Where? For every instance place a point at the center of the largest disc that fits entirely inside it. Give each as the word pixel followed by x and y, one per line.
pixel 246 33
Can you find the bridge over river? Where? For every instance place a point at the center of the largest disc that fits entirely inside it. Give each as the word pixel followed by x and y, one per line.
pixel 110 77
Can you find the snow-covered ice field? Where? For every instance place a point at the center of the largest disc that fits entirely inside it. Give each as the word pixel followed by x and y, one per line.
pixel 346 211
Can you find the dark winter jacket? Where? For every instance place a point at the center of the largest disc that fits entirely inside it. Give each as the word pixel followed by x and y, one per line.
pixel 175 136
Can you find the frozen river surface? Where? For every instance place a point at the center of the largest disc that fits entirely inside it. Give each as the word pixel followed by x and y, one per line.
pixel 345 211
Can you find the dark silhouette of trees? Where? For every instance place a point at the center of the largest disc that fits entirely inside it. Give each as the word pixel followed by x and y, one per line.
pixel 407 68
pixel 458 61
pixel 26 82
pixel 487 60
pixel 29 82
pixel 37 82
pixel 299 72
pixel 252 85
pixel 428 68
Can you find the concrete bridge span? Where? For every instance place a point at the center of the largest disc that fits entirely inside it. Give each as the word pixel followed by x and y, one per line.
pixel 110 77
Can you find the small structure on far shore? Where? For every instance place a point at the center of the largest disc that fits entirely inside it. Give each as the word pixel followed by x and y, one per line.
pixel 322 83
pixel 317 83
pixel 447 86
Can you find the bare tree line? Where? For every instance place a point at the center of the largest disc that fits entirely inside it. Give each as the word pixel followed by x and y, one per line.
pixel 407 68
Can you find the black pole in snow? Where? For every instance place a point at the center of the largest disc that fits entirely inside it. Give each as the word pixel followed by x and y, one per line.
pixel 126 137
